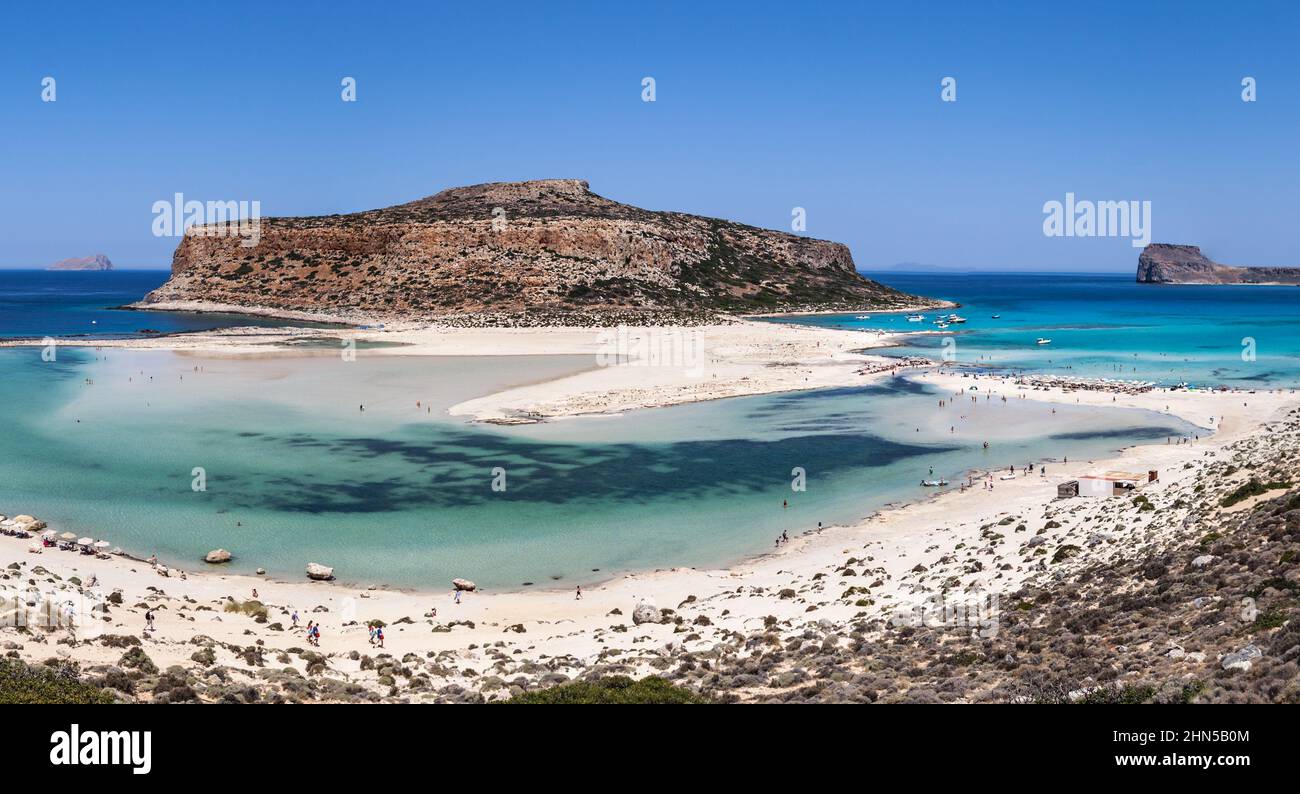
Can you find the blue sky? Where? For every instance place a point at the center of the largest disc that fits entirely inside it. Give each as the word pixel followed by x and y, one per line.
pixel 834 107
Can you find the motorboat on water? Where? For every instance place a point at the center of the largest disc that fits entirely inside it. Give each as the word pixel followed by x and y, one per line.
pixel 863 317
pixel 1042 341
pixel 952 318
pixel 997 317
pixel 915 318
pixel 941 324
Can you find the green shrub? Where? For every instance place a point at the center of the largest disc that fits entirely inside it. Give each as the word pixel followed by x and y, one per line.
pixel 1252 488
pixel 614 689
pixel 254 609
pixel 1271 619
pixel 22 683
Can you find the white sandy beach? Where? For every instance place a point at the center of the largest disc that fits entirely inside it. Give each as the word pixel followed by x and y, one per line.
pixel 488 641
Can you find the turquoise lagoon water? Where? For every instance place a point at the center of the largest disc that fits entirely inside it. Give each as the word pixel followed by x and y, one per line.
pixel 1105 326
pixel 104 443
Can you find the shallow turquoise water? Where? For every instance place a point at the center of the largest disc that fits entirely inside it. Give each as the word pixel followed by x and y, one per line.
pixel 104 443
pixel 1105 326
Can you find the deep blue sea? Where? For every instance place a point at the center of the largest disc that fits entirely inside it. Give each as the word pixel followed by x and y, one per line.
pixel 105 442
pixel 38 303
pixel 1103 326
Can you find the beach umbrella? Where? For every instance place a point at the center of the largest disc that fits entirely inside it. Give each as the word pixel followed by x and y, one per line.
pixel 68 536
pixel 102 544
pixel 85 541
pixel 49 533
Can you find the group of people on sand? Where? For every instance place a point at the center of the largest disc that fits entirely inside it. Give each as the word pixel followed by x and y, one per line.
pixel 1011 473
pixel 375 629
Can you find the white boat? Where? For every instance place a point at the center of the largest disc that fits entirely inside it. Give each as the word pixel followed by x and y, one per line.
pixel 1042 341
pixel 997 316
pixel 915 318
pixel 940 325
pixel 863 317
pixel 955 319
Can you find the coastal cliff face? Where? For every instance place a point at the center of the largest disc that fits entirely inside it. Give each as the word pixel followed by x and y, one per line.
pixel 96 262
pixel 547 249
pixel 1161 263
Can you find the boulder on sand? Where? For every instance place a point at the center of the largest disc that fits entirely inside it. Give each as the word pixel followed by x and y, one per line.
pixel 29 523
pixel 464 584
pixel 645 613
pixel 217 556
pixel 319 572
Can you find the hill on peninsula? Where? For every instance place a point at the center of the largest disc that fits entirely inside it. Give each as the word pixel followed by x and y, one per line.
pixel 1162 263
pixel 537 252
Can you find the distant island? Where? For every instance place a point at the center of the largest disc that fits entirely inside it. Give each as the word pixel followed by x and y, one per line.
pixel 1162 263
pixel 96 262
pixel 544 252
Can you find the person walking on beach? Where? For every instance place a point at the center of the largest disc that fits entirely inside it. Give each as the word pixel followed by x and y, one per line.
pixel 578 595
pixel 371 628
pixel 294 618
pixel 148 620
pixel 457 597
pixel 379 636
pixel 254 593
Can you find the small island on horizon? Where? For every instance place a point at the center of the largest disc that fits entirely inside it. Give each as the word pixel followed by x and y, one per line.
pixel 98 262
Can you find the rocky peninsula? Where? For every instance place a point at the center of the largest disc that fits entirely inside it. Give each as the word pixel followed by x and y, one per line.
pixel 545 252
pixel 1162 263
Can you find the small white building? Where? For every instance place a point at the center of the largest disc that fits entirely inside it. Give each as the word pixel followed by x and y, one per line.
pixel 1114 483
